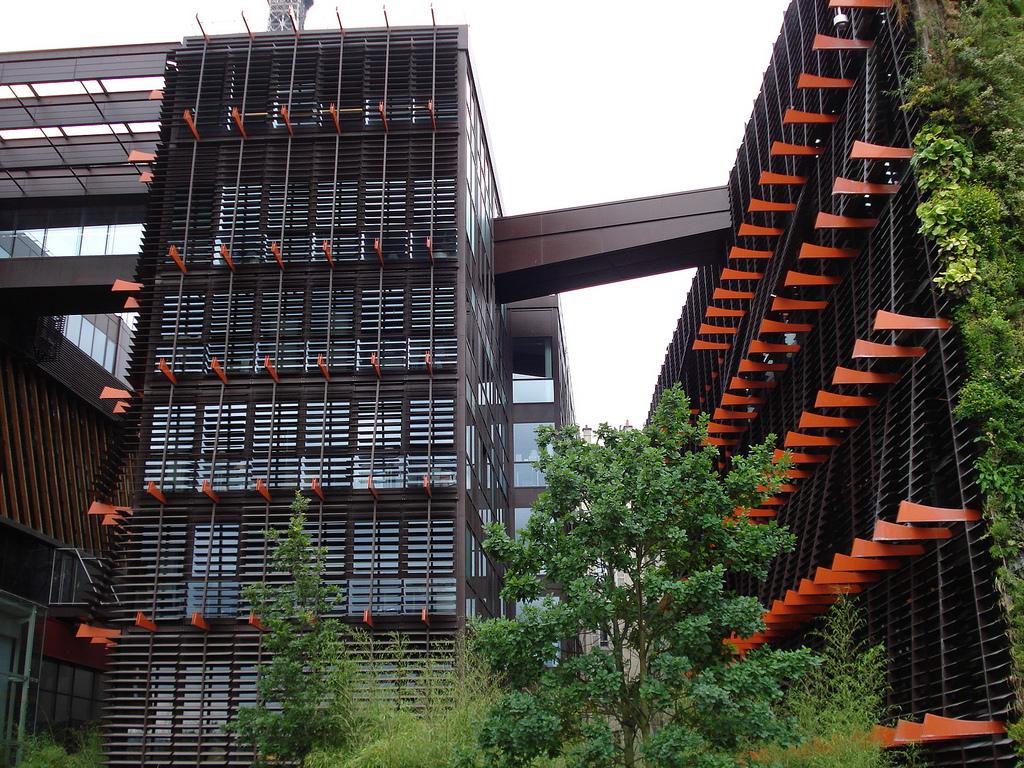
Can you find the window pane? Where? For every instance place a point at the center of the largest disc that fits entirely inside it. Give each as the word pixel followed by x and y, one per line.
pixel 28 243
pixel 126 239
pixel 522 517
pixel 63 241
pixel 524 438
pixel 531 357
pixel 528 476
pixel 94 241
pixel 533 391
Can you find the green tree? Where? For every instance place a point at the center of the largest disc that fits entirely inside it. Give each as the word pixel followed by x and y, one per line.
pixel 304 692
pixel 641 533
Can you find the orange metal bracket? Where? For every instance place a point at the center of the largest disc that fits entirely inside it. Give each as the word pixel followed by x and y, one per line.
pixel 315 487
pixel 794 278
pixel 322 365
pixel 326 248
pixel 752 230
pixel 218 369
pixel 166 371
pixel 156 493
pixel 847 563
pixel 383 115
pixel 865 548
pixel 851 187
pixel 709 329
pixel 817 421
pixel 768 178
pixel 173 252
pixel 125 286
pixel 131 304
pixel 275 249
pixel 725 293
pixel 756 366
pixel 800 440
pixel 717 441
pixel 812 251
pixel 138 156
pixel 871 349
pixel 262 490
pixel 826 399
pixel 885 531
pixel 774 326
pixel 433 114
pixel 428 360
pixel 426 486
pixel 737 382
pixel 226 255
pixel 199 622
pixel 144 623
pixel 796 117
pixel 713 311
pixel 890 321
pixel 375 362
pixel 113 393
pixel 333 109
pixel 758 347
pixel 829 576
pixel 425 616
pixel 853 376
pixel 379 250
pixel 145 177
pixel 817 81
pixel 935 728
pixel 372 488
pixel 237 117
pixel 728 399
pixel 783 304
pixel 781 149
pixel 191 123
pixel 746 253
pixel 721 413
pixel 287 119
pixel 721 429
pixel 430 249
pixel 271 369
pixel 832 221
pixel 909 512
pixel 829 43
pixel 863 151
pixel 368 618
pixel 800 458
pixel 209 492
pixel 768 206
pixel 740 274
pixel 255 621
pixel 808 587
pixel 700 345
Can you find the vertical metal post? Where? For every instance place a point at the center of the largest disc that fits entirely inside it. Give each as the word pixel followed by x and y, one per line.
pixel 26 672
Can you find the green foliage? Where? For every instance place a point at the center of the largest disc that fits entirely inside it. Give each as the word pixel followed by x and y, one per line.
pixel 837 704
pixel 969 160
pixel 305 690
pixel 640 533
pixel 43 751
pixel 433 724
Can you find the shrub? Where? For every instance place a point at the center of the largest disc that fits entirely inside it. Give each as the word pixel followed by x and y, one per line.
pixel 84 751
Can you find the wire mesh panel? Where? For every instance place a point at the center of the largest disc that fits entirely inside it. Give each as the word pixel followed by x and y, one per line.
pixel 305 295
pixel 939 614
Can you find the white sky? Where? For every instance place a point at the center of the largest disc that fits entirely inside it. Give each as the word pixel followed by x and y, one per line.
pixel 586 101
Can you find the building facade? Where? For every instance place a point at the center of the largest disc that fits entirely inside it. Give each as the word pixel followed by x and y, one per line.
pixel 821 327
pixel 75 129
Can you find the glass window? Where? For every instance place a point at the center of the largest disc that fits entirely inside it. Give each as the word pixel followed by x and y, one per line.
pixel 94 241
pixel 28 243
pixel 63 241
pixel 532 370
pixel 126 239
pixel 524 439
pixel 522 518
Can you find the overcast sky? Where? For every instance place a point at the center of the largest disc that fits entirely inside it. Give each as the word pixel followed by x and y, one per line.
pixel 585 100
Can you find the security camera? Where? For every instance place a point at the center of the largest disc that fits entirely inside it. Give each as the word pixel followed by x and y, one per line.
pixel 841 21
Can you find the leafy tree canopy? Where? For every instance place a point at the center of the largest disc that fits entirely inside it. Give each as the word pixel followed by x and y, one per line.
pixel 643 538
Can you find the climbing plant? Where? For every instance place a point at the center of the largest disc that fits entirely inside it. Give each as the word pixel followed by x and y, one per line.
pixel 969 165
